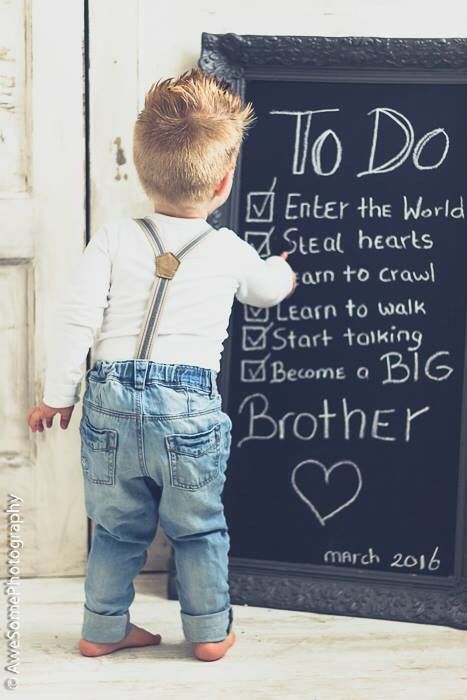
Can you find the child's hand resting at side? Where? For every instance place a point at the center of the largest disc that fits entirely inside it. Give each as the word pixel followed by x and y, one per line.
pixel 285 255
pixel 43 412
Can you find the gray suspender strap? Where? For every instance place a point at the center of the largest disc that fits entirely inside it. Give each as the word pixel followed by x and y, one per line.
pixel 166 264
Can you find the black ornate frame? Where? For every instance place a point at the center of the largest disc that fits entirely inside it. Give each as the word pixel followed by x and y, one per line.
pixel 235 59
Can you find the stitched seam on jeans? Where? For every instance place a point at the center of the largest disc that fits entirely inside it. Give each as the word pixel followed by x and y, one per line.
pixel 140 435
pixel 187 487
pixel 146 416
pixel 214 474
pixel 202 413
pixel 108 411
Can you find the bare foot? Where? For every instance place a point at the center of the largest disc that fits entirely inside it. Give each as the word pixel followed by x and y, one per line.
pixel 136 637
pixel 211 651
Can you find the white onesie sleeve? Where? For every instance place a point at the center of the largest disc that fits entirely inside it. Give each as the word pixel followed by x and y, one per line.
pixel 262 282
pixel 75 319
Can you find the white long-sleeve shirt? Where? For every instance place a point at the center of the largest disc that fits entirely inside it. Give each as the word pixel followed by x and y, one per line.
pixel 105 304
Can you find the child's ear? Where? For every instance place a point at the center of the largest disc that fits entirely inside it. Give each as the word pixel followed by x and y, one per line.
pixel 225 182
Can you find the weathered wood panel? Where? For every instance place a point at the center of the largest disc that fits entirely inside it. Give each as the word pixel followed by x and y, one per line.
pixel 14 85
pixel 42 191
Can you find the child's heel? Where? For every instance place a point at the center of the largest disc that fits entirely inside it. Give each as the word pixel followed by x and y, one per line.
pixel 212 651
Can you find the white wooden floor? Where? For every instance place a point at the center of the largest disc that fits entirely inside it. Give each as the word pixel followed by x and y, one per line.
pixel 278 654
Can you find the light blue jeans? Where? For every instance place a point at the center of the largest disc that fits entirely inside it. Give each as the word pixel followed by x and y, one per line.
pixel 154 447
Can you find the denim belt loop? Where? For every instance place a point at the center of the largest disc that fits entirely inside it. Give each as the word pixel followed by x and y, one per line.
pixel 213 388
pixel 140 370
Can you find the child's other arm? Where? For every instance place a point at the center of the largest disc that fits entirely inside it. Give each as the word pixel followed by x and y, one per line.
pixel 264 282
pixel 76 318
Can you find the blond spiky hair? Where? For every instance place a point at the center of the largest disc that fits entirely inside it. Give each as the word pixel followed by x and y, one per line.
pixel 188 136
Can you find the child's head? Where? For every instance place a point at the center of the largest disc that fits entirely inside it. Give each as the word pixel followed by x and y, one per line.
pixel 187 137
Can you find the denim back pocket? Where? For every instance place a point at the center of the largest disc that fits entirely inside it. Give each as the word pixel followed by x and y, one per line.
pixel 194 458
pixel 98 452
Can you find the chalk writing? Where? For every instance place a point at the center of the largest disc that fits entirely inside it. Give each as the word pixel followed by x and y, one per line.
pixel 302 140
pixel 342 420
pixel 346 397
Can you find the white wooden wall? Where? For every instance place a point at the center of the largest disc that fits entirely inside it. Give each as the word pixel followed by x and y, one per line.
pixel 41 233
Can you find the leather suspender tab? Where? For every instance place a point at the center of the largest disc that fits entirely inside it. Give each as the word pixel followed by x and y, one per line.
pixel 167 265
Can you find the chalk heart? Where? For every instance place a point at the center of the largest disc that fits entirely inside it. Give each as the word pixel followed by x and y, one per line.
pixel 312 464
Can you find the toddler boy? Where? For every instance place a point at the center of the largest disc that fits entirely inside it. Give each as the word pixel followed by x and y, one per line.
pixel 154 296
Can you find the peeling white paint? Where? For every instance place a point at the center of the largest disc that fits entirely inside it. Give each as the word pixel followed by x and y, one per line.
pixel 13 87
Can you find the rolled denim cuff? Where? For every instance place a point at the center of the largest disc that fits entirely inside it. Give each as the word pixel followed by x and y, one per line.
pixel 104 628
pixel 207 628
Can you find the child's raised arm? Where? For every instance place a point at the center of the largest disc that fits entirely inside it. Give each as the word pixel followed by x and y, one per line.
pixel 264 282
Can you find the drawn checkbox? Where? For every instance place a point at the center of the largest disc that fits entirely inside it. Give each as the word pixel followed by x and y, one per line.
pixel 260 205
pixel 260 241
pixel 254 370
pixel 254 337
pixel 255 313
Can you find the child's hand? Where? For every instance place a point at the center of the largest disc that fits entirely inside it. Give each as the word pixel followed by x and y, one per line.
pixel 43 412
pixel 285 255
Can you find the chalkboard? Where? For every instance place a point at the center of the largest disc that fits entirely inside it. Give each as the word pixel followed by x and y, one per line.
pixel 348 441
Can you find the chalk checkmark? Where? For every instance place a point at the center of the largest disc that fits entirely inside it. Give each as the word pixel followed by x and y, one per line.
pixel 256 313
pixel 260 208
pixel 260 205
pixel 260 240
pixel 254 337
pixel 254 370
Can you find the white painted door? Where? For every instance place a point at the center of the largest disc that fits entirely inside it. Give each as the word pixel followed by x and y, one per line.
pixel 42 231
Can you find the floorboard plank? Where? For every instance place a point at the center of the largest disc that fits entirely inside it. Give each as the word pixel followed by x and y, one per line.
pixel 279 654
